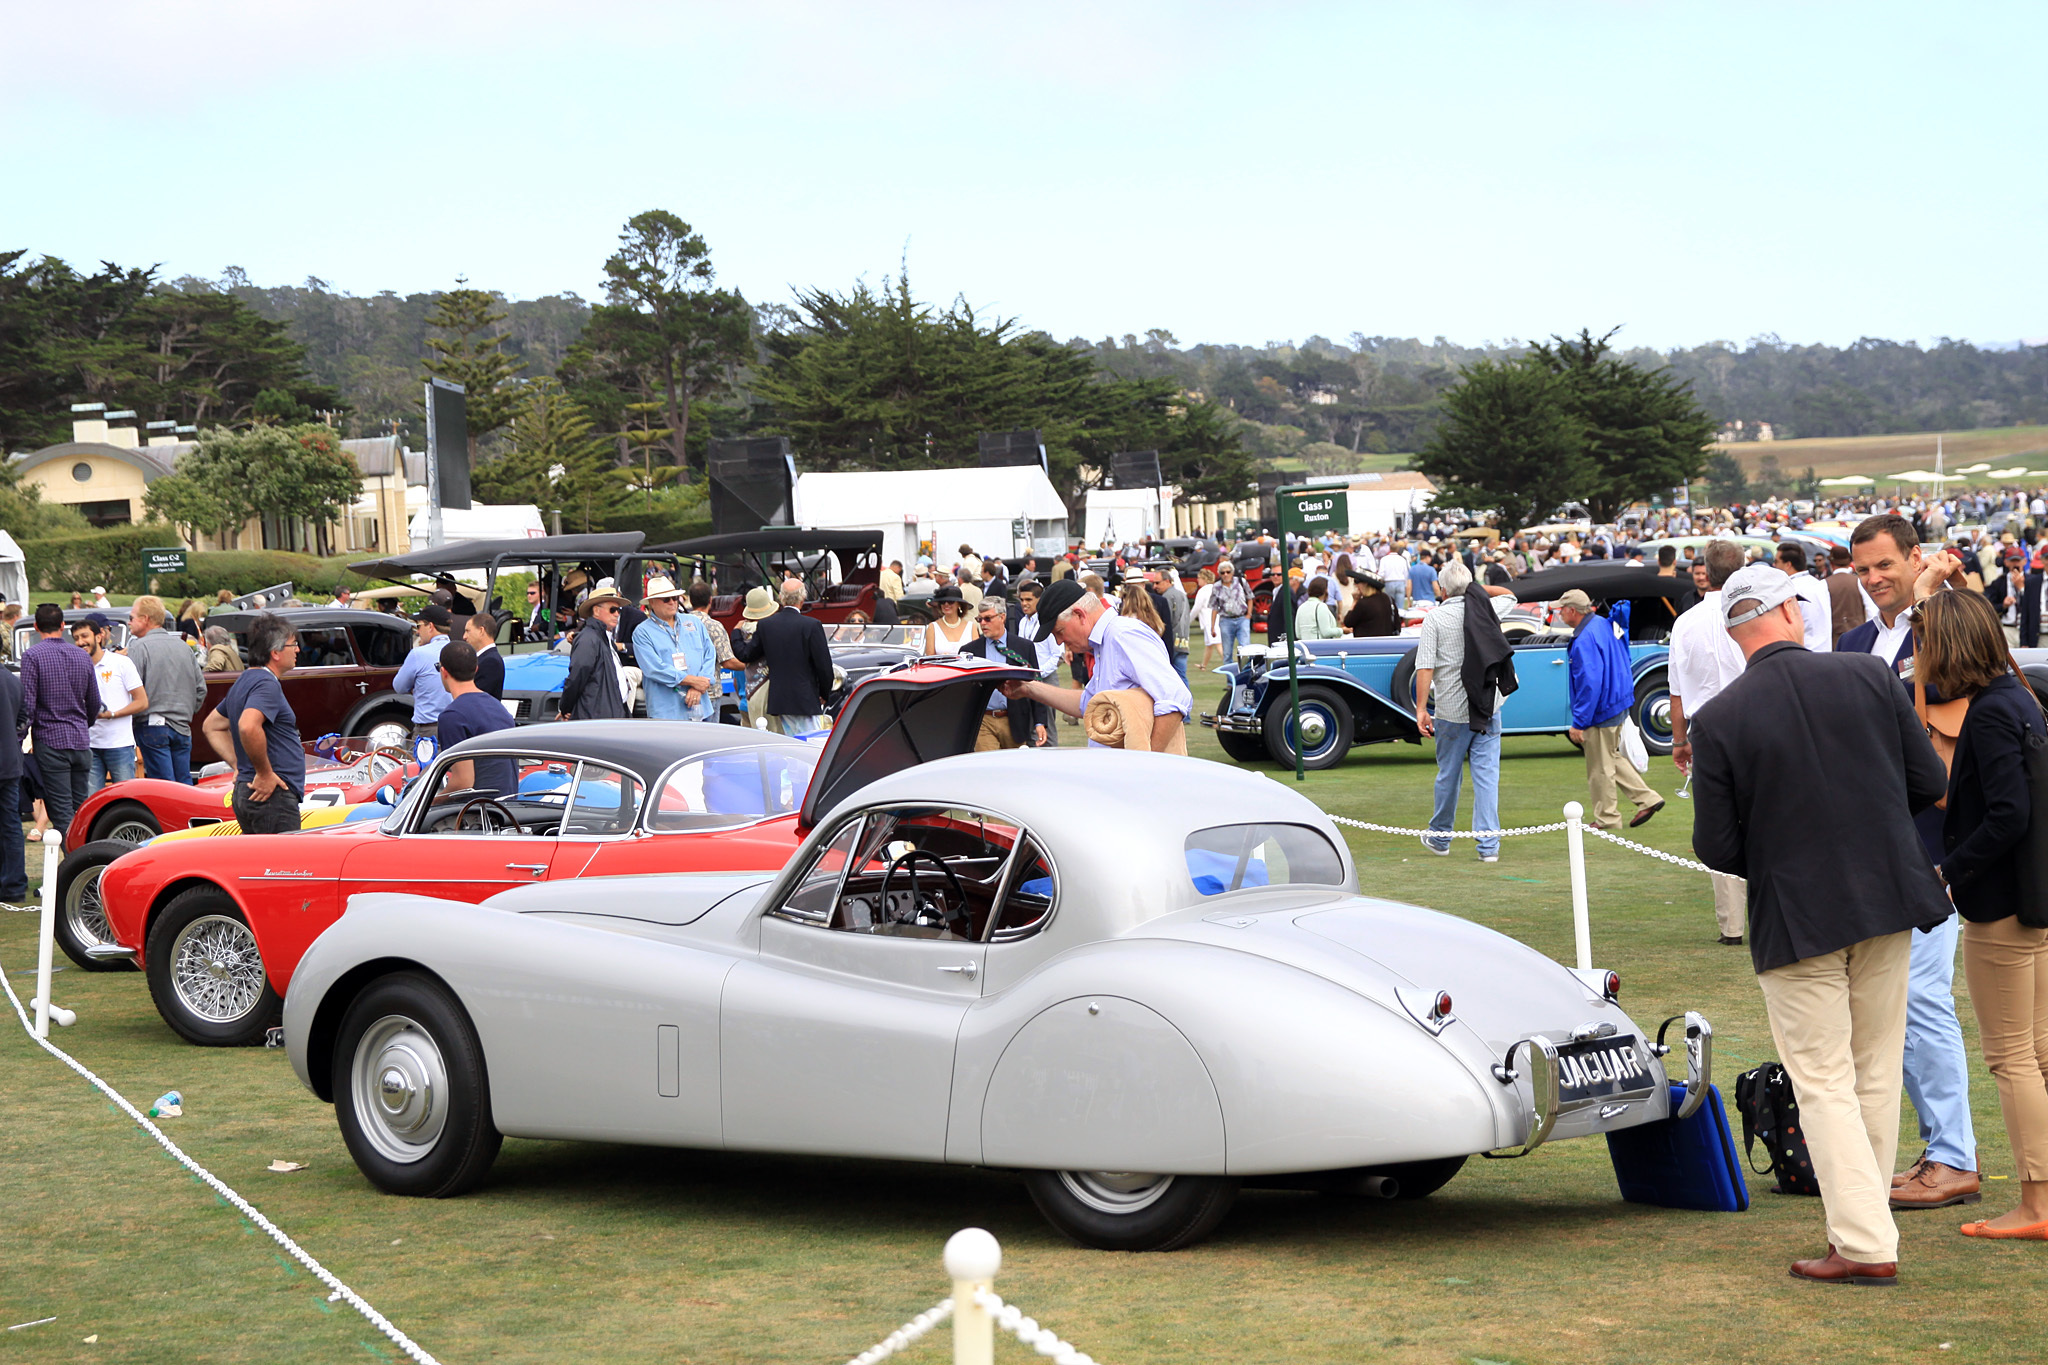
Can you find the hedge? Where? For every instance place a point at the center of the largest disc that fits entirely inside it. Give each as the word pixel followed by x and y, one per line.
pixel 113 558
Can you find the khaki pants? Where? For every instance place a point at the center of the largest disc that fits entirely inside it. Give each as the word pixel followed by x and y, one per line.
pixel 2006 964
pixel 995 732
pixel 1731 904
pixel 1840 1024
pixel 1607 768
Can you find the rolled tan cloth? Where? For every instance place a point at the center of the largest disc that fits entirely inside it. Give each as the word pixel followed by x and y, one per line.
pixel 1122 719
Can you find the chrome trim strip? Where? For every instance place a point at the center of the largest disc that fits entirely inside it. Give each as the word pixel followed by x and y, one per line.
pixel 1542 1089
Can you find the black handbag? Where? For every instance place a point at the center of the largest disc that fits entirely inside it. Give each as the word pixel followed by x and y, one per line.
pixel 2033 906
pixel 1770 1111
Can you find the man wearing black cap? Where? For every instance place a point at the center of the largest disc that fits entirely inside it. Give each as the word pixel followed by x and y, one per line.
pixel 420 674
pixel 1122 654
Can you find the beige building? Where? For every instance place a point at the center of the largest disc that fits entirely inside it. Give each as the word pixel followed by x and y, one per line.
pixel 108 462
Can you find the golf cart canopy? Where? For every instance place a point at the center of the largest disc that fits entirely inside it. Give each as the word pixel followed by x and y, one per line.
pixel 785 538
pixel 492 554
pixel 896 720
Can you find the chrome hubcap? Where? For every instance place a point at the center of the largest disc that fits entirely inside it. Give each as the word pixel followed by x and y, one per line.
pixel 83 912
pixel 1315 729
pixel 391 734
pixel 400 1086
pixel 1116 1192
pixel 216 968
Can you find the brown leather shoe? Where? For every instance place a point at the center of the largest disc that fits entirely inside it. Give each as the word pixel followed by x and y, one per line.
pixel 1832 1269
pixel 1910 1172
pixel 1935 1186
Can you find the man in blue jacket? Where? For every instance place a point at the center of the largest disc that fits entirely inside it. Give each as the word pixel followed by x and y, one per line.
pixel 1603 691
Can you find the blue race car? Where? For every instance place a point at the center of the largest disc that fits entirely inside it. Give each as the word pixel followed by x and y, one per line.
pixel 1362 691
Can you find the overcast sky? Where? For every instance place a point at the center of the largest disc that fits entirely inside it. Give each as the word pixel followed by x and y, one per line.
pixel 1240 173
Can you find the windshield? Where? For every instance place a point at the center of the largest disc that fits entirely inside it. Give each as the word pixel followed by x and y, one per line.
pixel 1236 857
pixel 734 787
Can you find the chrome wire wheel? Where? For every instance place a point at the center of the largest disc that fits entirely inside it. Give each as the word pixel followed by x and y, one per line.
pixel 132 831
pixel 216 968
pixel 84 915
pixel 399 1083
pixel 1116 1192
pixel 391 734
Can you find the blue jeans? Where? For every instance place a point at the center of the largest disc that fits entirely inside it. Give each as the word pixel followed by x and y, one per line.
pixel 1457 744
pixel 64 785
pixel 13 848
pixel 1236 633
pixel 1937 1069
pixel 166 754
pixel 1180 666
pixel 110 765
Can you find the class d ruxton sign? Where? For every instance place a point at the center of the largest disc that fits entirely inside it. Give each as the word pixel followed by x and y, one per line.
pixel 163 561
pixel 1312 511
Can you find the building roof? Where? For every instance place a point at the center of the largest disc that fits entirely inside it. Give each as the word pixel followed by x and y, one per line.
pixel 153 461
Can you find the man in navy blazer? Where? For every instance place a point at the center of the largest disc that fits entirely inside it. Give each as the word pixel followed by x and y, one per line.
pixel 1888 561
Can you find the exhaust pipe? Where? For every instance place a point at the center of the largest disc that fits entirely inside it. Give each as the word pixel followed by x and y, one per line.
pixel 1380 1187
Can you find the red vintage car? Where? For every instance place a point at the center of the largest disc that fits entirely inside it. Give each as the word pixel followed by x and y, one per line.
pixel 338 772
pixel 219 926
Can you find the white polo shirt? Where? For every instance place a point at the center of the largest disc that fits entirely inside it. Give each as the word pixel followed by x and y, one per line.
pixel 1704 659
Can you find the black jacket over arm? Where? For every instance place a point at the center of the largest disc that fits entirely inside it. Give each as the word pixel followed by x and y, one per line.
pixel 1489 663
pixel 799 662
pixel 1989 802
pixel 1823 875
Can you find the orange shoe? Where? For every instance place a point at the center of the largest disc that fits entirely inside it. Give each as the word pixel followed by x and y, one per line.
pixel 2033 1232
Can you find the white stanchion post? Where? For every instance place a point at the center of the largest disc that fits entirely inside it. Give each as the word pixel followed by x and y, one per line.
pixel 53 853
pixel 972 1259
pixel 1575 850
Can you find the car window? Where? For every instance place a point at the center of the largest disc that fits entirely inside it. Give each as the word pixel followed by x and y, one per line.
pixel 930 872
pixel 1235 857
pixel 472 796
pixel 733 787
pixel 812 900
pixel 380 646
pixel 601 801
pixel 324 647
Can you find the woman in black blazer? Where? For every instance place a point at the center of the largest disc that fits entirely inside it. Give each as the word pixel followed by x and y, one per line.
pixel 1960 651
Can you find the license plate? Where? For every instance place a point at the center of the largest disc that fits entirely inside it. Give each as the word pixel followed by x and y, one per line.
pixel 1611 1066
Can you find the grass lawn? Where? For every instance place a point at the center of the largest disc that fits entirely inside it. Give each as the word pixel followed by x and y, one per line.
pixel 589 1252
pixel 1877 456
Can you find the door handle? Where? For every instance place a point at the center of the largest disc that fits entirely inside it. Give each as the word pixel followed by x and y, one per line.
pixel 1559 663
pixel 535 868
pixel 966 969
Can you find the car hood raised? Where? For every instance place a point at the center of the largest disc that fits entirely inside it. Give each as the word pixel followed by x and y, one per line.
pixel 896 720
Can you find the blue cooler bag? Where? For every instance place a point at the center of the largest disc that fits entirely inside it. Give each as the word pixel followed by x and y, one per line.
pixel 1681 1163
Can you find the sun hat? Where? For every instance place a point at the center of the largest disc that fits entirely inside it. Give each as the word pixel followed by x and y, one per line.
pixel 598 599
pixel 659 587
pixel 1755 590
pixel 949 592
pixel 759 605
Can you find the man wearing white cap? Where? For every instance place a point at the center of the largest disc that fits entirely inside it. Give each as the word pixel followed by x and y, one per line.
pixel 1834 890
pixel 678 664
pixel 1704 660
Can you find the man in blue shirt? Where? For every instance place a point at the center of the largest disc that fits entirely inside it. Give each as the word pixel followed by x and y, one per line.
pixel 472 711
pixel 420 674
pixel 1422 579
pixel 257 724
pixel 1122 654
pixel 678 662
pixel 1603 692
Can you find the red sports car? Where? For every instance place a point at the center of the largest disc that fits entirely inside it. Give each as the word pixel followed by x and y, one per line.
pixel 219 925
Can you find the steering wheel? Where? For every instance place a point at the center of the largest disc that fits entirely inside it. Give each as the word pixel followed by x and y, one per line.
pixel 956 911
pixel 487 808
pixel 392 754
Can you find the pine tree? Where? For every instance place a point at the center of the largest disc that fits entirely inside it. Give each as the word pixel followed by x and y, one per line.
pixel 553 460
pixel 470 353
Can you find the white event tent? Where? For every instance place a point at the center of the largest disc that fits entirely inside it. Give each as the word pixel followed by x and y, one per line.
pixel 946 507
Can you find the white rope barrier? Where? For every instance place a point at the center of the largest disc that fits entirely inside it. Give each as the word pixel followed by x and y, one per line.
pixel 1659 854
pixel 904 1335
pixel 1557 828
pixel 342 1293
pixel 1040 1339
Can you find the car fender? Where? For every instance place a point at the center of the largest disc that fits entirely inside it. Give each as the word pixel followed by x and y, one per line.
pixel 1361 695
pixel 1656 657
pixel 370 705
pixel 1293 1072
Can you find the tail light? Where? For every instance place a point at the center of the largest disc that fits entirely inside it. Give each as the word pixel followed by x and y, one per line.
pixel 1611 987
pixel 1440 1008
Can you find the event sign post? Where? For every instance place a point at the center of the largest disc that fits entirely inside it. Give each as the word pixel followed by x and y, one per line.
pixel 1303 512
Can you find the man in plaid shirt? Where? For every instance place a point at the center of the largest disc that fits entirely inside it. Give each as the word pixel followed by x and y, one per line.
pixel 59 698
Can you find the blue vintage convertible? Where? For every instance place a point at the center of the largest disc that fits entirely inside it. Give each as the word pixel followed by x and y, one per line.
pixel 1362 691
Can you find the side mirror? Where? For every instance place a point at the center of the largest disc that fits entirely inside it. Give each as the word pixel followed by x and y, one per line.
pixel 386 796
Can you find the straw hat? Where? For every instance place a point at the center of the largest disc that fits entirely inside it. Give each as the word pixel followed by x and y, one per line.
pixel 659 588
pixel 596 600
pixel 759 605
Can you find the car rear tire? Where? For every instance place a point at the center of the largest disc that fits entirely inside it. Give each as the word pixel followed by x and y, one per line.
pixel 1125 1211
pixel 1401 685
pixel 128 821
pixel 410 1089
pixel 206 973
pixel 81 919
pixel 1325 724
pixel 1652 711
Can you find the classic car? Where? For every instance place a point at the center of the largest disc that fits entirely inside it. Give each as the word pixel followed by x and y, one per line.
pixel 342 682
pixel 1362 691
pixel 739 560
pixel 218 927
pixel 957 966
pixel 25 633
